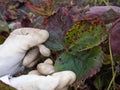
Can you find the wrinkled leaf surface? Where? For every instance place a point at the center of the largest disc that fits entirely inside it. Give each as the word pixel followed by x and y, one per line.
pixel 44 7
pixel 57 25
pixel 107 13
pixel 84 64
pixel 115 37
pixel 84 35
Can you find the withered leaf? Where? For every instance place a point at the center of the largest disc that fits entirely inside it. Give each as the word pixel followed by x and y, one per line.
pixel 57 25
pixel 115 37
pixel 44 7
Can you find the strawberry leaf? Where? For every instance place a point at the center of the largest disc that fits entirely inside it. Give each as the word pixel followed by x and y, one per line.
pixel 57 25
pixel 43 7
pixel 115 37
pixel 107 13
pixel 84 35
pixel 84 64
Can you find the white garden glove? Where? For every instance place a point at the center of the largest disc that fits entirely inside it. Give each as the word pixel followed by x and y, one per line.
pixel 36 79
pixel 57 81
pixel 15 47
pixel 33 55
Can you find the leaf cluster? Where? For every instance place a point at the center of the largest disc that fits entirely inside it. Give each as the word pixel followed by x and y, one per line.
pixel 81 37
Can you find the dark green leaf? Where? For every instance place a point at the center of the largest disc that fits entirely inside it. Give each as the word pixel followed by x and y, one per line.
pixel 85 64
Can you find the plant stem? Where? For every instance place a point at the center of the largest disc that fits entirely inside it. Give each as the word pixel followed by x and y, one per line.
pixel 106 2
pixel 112 81
pixel 113 70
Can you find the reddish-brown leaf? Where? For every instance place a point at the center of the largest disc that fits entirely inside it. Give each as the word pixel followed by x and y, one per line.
pixel 44 7
pixel 107 13
pixel 115 37
pixel 57 25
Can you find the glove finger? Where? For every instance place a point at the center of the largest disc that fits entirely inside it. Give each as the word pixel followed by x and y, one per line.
pixel 31 56
pixel 34 72
pixel 25 31
pixel 33 63
pixel 46 68
pixel 30 36
pixel 66 78
pixel 44 50
pixel 48 61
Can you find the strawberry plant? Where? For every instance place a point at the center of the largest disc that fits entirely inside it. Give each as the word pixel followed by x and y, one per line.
pixel 84 39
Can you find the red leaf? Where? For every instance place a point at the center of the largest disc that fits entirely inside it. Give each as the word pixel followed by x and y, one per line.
pixel 44 7
pixel 57 25
pixel 61 21
pixel 107 13
pixel 115 37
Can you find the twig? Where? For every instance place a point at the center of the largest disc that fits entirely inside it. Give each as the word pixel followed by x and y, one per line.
pixel 113 70
pixel 106 2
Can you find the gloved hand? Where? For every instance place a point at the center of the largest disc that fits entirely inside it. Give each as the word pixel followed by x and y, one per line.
pixel 36 80
pixel 13 50
pixel 57 81
pixel 33 55
pixel 15 47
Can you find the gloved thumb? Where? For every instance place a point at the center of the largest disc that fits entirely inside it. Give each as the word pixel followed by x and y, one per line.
pixel 25 38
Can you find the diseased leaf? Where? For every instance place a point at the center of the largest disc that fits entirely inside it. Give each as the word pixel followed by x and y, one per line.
pixel 57 25
pixel 44 7
pixel 84 64
pixel 115 37
pixel 84 35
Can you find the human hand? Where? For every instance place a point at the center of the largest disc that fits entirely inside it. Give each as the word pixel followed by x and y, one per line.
pixel 44 78
pixel 33 55
pixel 15 47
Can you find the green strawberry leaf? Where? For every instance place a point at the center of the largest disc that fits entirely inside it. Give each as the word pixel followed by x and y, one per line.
pixel 84 35
pixel 84 64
